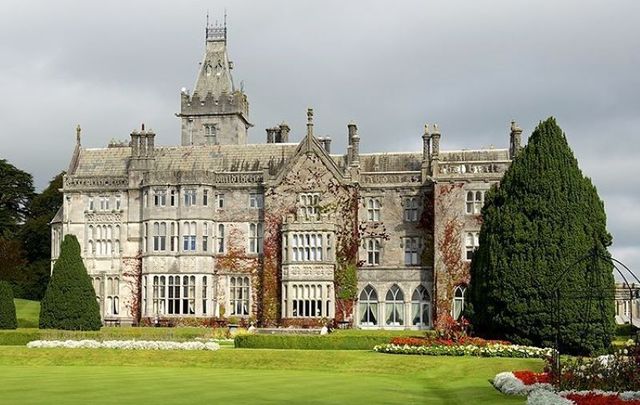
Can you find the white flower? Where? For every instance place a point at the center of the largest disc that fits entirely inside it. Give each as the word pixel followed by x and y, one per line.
pixel 544 397
pixel 124 345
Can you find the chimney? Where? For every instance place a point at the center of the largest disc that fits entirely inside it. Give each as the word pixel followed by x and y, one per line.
pixel 135 143
pixel 435 149
pixel 284 132
pixel 515 140
pixel 151 136
pixel 355 145
pixel 426 144
pixel 271 135
pixel 435 140
pixel 326 143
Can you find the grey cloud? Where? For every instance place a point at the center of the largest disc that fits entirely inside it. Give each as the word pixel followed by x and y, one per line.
pixel 470 66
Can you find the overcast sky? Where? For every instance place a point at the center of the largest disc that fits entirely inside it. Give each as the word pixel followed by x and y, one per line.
pixel 470 66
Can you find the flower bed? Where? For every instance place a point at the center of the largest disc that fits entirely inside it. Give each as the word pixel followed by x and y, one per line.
pixel 489 350
pixel 123 345
pixel 541 392
pixel 429 341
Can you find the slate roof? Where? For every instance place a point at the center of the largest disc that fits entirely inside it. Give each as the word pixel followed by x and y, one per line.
pixel 253 157
pixel 219 158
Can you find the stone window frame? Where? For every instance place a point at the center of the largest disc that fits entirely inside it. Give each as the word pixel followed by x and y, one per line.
pixel 411 249
pixel 373 206
pixel 373 250
pixel 394 306
pixel 309 204
pixel 239 295
pixel 159 236
pixel 189 229
pixel 205 197
pixel 474 200
pixel 210 133
pixel 256 200
pixel 471 244
pixel 458 301
pixel 205 236
pixel 255 239
pixel 307 247
pixel 411 207
pixel 368 306
pixel 220 201
pixel 221 246
pixel 190 197
pixel 159 197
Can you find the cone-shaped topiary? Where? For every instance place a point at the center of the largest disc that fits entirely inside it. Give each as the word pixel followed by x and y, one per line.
pixel 544 217
pixel 8 318
pixel 70 301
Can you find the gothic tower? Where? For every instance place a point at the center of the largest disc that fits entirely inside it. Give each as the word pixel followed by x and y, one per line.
pixel 216 112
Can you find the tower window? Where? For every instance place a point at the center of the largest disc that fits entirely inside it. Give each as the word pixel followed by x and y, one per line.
pixel 211 134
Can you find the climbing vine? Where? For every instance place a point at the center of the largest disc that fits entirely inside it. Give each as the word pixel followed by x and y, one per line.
pixel 133 275
pixel 451 269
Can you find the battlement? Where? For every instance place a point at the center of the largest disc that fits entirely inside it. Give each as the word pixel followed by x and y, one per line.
pixel 195 104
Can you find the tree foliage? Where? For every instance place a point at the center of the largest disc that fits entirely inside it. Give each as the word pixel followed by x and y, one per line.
pixel 16 191
pixel 542 219
pixel 70 301
pixel 8 318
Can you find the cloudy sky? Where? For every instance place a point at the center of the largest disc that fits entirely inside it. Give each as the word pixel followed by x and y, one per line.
pixel 470 66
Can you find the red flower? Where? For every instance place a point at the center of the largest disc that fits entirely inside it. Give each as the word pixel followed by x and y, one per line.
pixel 598 399
pixel 529 377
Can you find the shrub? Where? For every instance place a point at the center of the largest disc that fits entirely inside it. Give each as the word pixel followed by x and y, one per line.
pixel 310 342
pixel 626 330
pixel 18 337
pixel 70 301
pixel 8 318
pixel 538 228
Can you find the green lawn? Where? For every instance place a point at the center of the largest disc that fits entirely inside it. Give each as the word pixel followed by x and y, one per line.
pixel 27 312
pixel 39 376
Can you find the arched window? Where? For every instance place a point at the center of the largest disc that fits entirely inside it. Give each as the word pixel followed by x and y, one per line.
pixel 368 306
pixel 458 301
pixel 239 294
pixel 420 307
pixel 394 306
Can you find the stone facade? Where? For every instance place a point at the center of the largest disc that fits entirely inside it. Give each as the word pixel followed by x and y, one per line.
pixel 280 232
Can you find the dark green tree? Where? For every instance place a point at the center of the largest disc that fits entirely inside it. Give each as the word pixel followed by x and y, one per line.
pixel 35 235
pixel 16 191
pixel 537 225
pixel 8 318
pixel 70 301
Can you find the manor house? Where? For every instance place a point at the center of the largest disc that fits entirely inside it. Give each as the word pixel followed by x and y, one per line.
pixel 283 232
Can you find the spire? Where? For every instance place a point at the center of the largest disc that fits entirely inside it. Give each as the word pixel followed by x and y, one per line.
pixel 78 133
pixel 215 70
pixel 308 140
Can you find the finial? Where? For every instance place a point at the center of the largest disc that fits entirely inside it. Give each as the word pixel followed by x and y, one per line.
pixel 310 115
pixel 436 130
pixel 78 131
pixel 225 18
pixel 515 127
pixel 426 129
pixel 207 18
pixel 143 127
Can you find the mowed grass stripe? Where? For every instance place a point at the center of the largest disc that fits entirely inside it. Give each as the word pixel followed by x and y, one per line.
pixel 38 376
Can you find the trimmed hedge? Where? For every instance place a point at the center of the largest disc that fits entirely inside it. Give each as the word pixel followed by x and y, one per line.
pixel 18 338
pixel 23 336
pixel 8 318
pixel 312 342
pixel 626 330
pixel 70 301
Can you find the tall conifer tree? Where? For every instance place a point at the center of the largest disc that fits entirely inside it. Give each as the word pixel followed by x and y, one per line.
pixel 70 301
pixel 544 217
